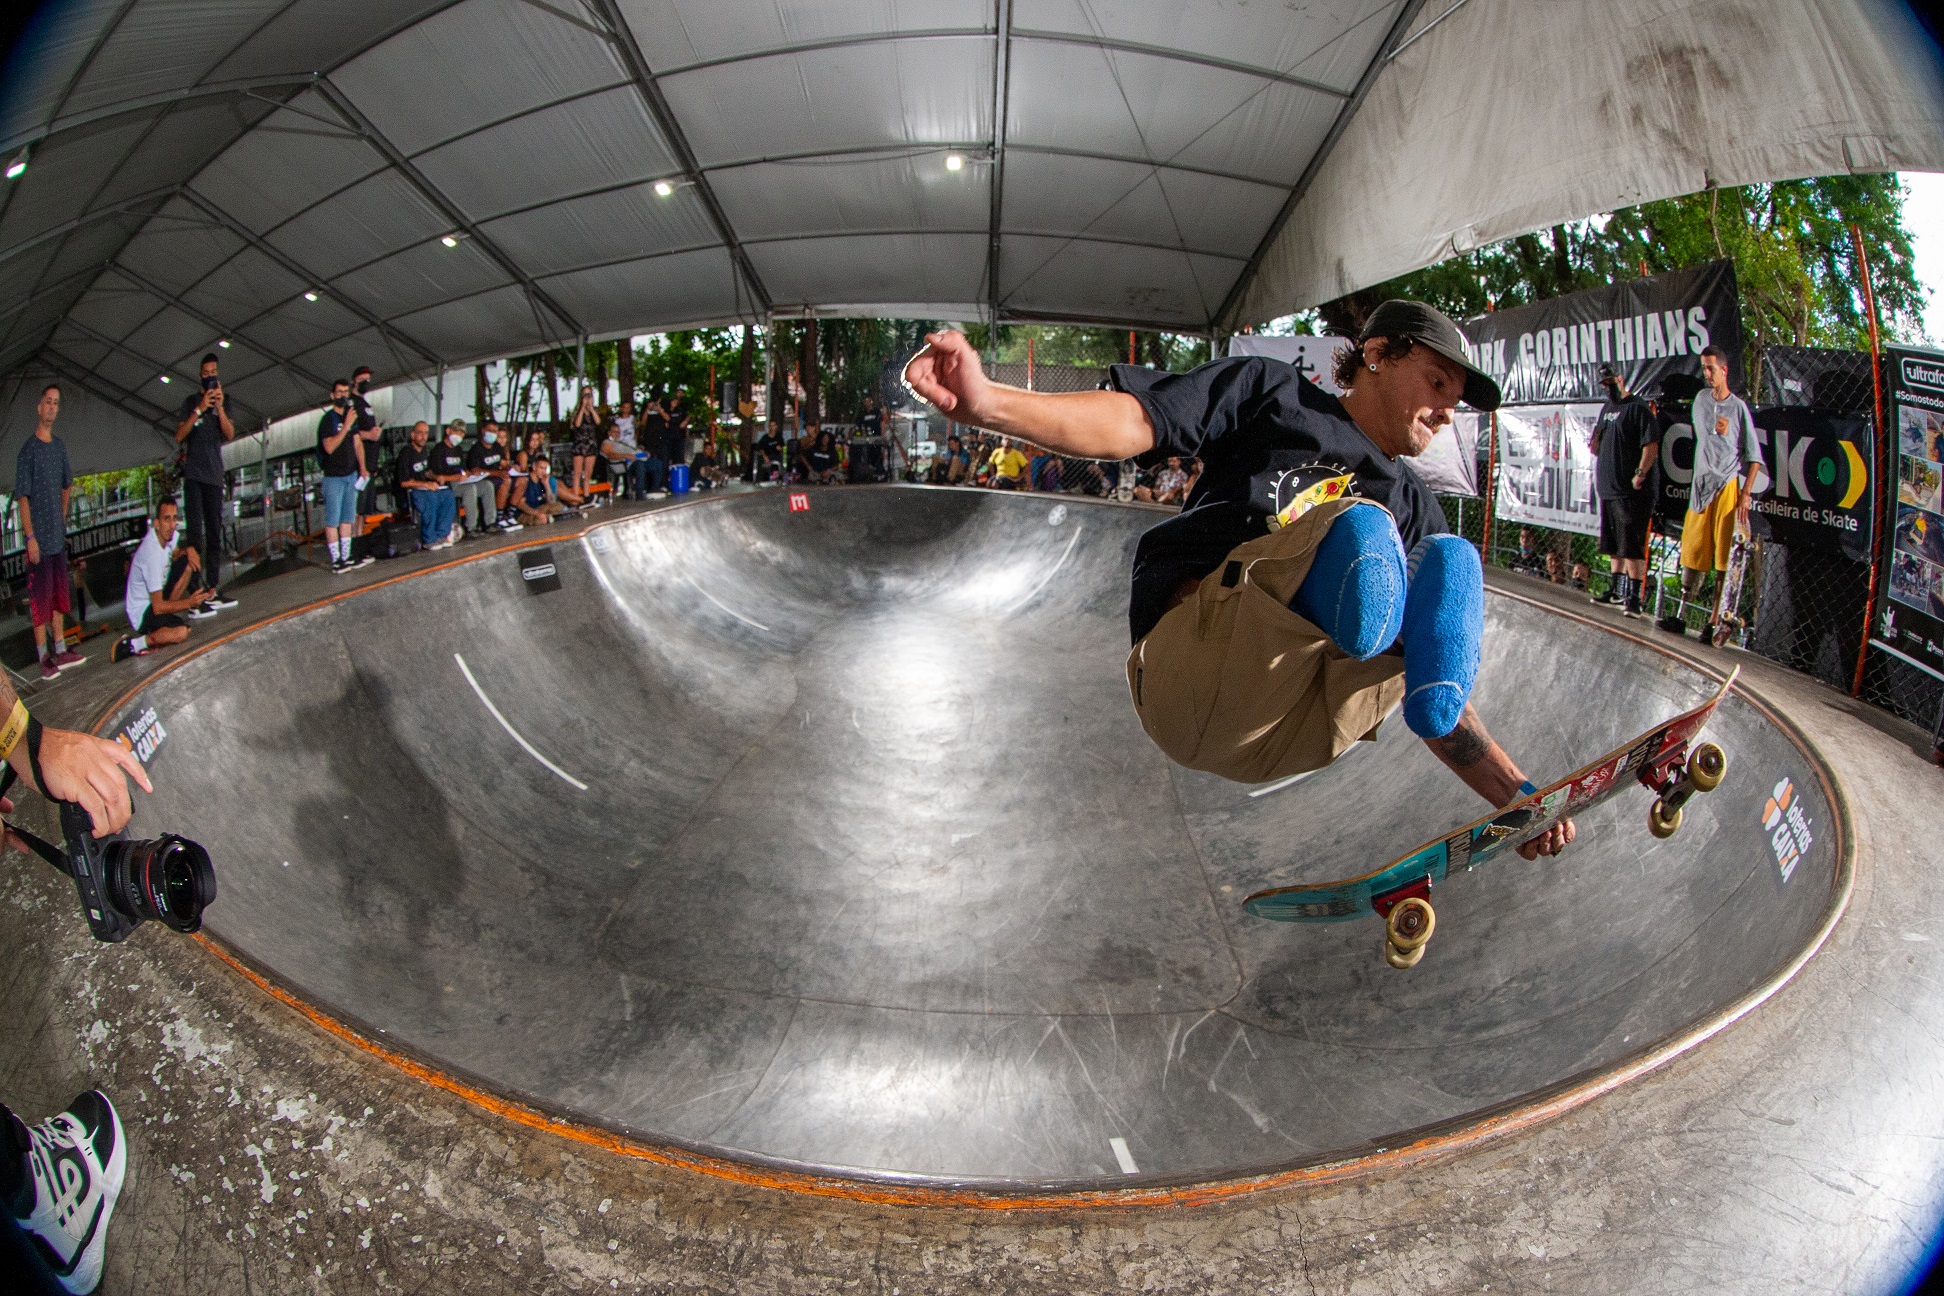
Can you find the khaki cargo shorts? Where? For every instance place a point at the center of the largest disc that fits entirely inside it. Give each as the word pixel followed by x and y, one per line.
pixel 1234 683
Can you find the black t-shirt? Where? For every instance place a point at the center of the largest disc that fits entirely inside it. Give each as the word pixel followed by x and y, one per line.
pixel 1625 427
pixel 448 460
pixel 486 458
pixel 820 459
pixel 364 420
pixel 341 462
pixel 203 450
pixel 1266 436
pixel 871 423
pixel 770 445
pixel 415 465
pixel 677 434
pixel 651 433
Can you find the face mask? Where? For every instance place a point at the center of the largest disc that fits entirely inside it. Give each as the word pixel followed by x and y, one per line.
pixel 489 437
pixel 364 384
pixel 452 438
pixel 339 402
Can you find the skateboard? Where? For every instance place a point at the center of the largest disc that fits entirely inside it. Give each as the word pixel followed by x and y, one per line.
pixel 1399 893
pixel 1727 618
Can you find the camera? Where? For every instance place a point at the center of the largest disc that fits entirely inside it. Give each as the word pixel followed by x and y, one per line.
pixel 211 382
pixel 124 882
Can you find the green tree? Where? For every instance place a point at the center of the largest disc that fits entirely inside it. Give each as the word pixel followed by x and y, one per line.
pixel 1795 264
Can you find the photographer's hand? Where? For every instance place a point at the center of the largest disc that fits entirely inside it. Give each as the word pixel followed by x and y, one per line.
pixel 92 772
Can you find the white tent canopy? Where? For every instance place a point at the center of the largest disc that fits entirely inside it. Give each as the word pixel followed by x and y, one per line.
pixel 454 180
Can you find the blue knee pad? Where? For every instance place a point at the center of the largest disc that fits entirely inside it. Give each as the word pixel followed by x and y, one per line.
pixel 1444 622
pixel 1354 592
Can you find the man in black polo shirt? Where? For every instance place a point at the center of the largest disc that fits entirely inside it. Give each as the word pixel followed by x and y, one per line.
pixel 1627 441
pixel 1266 612
pixel 203 427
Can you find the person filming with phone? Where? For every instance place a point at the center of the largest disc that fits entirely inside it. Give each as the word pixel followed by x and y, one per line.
pixel 203 428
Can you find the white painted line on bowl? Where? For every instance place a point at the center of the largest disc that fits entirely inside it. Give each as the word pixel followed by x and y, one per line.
pixel 517 737
pixel 1122 1155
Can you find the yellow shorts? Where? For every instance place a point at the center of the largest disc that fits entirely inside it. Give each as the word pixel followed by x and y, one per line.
pixel 1234 683
pixel 1708 537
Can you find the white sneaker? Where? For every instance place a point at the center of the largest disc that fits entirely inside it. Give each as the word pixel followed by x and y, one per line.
pixel 364 561
pixel 221 601
pixel 200 614
pixel 79 1159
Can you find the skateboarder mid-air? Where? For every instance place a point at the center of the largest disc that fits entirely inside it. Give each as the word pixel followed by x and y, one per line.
pixel 1309 585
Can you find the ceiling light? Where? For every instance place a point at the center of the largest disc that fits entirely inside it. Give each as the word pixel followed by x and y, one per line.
pixel 18 166
pixel 450 240
pixel 165 379
pixel 311 295
pixel 953 162
pixel 663 188
pixel 223 343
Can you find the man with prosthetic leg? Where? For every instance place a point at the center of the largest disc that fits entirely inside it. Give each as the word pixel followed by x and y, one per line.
pixel 1308 586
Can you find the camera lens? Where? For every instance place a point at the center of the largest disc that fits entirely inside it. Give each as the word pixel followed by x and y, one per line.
pixel 169 879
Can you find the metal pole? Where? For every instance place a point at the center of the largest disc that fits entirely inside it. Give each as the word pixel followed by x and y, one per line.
pixel 1491 486
pixel 1882 463
pixel 438 402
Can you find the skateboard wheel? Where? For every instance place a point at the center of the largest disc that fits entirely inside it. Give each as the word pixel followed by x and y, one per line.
pixel 1707 766
pixel 1661 822
pixel 1402 960
pixel 1410 924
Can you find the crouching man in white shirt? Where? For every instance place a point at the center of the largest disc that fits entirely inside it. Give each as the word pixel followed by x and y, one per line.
pixel 161 588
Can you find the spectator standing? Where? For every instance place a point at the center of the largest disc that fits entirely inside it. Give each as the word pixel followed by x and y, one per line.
pixel 538 500
pixel 43 484
pixel 161 587
pixel 491 460
pixel 430 498
pixel 651 433
pixel 870 422
pixel 472 494
pixel 365 438
pixel 584 434
pixel 675 410
pixel 203 427
pixel 1626 443
pixel 1727 465
pixel 1008 466
pixel 337 453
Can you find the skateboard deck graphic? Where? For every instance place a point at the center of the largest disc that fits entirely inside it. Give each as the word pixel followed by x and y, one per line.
pixel 1398 892
pixel 1726 618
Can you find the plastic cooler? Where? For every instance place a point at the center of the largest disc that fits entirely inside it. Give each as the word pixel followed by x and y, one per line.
pixel 678 479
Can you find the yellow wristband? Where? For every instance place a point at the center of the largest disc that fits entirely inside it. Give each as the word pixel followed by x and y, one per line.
pixel 15 728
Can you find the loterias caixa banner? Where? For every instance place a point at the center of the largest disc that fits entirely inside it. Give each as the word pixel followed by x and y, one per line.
pixel 1551 353
pixel 1910 622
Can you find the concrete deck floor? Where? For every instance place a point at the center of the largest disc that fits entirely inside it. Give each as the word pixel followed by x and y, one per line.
pixel 1798 1150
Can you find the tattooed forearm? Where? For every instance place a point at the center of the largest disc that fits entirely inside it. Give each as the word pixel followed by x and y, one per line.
pixel 1465 745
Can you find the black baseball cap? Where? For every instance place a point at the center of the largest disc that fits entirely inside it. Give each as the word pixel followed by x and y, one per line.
pixel 1398 318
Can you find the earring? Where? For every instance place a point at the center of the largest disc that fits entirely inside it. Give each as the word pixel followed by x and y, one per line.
pixel 1373 368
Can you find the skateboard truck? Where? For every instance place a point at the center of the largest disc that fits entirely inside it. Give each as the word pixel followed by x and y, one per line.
pixel 1409 921
pixel 1675 777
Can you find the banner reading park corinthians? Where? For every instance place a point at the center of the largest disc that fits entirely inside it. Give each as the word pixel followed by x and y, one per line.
pixel 1911 621
pixel 1547 357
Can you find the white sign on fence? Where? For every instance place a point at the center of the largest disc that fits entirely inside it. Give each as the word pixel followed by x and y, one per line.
pixel 1546 466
